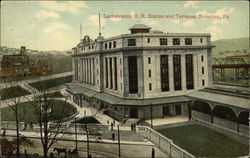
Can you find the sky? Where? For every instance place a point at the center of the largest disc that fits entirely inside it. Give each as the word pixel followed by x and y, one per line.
pixel 55 25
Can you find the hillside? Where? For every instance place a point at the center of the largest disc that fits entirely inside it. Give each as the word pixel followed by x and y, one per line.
pixel 230 47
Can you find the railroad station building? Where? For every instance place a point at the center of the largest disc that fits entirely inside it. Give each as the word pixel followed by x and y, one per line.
pixel 149 72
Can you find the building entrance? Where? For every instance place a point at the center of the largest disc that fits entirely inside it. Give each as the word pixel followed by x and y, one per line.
pixel 133 113
pixel 165 111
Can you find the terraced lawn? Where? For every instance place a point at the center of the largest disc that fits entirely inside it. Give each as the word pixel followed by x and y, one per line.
pixel 204 142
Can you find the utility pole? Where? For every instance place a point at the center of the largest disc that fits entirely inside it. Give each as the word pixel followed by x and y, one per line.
pixel 87 140
pixel 151 110
pixel 76 138
pixel 119 144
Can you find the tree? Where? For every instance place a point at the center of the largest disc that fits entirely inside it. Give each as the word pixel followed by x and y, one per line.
pixel 50 132
pixel 13 99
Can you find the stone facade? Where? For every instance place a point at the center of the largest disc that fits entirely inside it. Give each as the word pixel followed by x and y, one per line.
pixel 103 66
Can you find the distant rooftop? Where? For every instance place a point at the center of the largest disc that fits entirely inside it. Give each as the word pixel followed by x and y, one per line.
pixel 140 26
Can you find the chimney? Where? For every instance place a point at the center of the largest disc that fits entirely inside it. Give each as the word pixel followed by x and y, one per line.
pixel 22 51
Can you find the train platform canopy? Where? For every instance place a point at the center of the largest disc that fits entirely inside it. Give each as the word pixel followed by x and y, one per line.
pixel 76 89
pixel 222 98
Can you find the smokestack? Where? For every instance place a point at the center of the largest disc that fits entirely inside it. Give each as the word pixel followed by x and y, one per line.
pixel 22 51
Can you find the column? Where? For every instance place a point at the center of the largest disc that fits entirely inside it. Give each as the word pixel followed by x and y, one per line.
pixel 171 72
pixel 195 64
pixel 87 60
pixel 108 73
pixel 90 70
pixel 183 72
pixel 80 69
pixel 93 70
pixel 86 70
pixel 113 71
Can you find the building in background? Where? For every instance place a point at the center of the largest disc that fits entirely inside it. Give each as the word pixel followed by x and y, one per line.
pixel 19 65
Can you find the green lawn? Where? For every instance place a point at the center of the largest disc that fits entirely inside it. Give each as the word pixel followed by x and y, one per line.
pixel 59 110
pixel 202 141
pixel 12 92
pixel 42 85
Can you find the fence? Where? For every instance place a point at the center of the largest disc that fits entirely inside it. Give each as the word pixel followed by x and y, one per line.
pixel 65 128
pixel 163 143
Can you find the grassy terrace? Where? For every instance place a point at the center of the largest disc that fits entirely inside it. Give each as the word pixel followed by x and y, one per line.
pixel 27 111
pixel 42 85
pixel 202 141
pixel 11 92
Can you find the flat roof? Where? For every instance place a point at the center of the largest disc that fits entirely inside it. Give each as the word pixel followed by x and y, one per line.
pixel 114 100
pixel 224 99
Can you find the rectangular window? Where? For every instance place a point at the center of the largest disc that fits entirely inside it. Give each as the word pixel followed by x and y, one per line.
pixel 188 41
pixel 150 86
pixel 114 44
pixel 163 41
pixel 120 73
pixel 164 73
pixel 131 42
pixel 202 58
pixel 149 60
pixel 201 40
pixel 149 73
pixel 133 77
pixel 115 64
pixel 177 71
pixel 176 41
pixel 203 83
pixel 202 70
pixel 148 40
pixel 110 73
pixel 106 72
pixel 189 71
pixel 110 45
pixel 106 45
pixel 89 47
pixel 92 46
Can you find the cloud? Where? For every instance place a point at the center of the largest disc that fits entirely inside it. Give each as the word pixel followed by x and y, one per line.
pixel 190 4
pixel 149 22
pixel 55 27
pixel 176 21
pixel 188 23
pixel 47 14
pixel 215 32
pixel 222 12
pixel 93 20
pixel 70 6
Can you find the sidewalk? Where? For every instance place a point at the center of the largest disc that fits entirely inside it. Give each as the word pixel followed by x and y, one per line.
pixel 80 137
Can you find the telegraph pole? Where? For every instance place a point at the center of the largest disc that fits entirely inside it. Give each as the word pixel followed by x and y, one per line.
pixel 76 138
pixel 119 144
pixel 87 140
pixel 151 109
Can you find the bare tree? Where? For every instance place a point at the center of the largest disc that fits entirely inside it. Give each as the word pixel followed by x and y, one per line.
pixel 50 132
pixel 13 100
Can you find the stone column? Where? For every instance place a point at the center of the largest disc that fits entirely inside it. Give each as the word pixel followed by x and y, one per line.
pixel 172 110
pixel 90 70
pixel 196 77
pixel 183 72
pixel 93 70
pixel 108 73
pixel 171 72
pixel 113 71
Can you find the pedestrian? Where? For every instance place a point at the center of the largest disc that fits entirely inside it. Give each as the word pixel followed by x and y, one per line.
pixel 4 132
pixel 114 122
pixel 84 112
pixel 134 127
pixel 153 153
pixel 113 136
pixel 51 155
pixel 31 125
pixel 112 126
pixel 131 127
pixel 90 156
pixel 108 122
pixel 25 126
